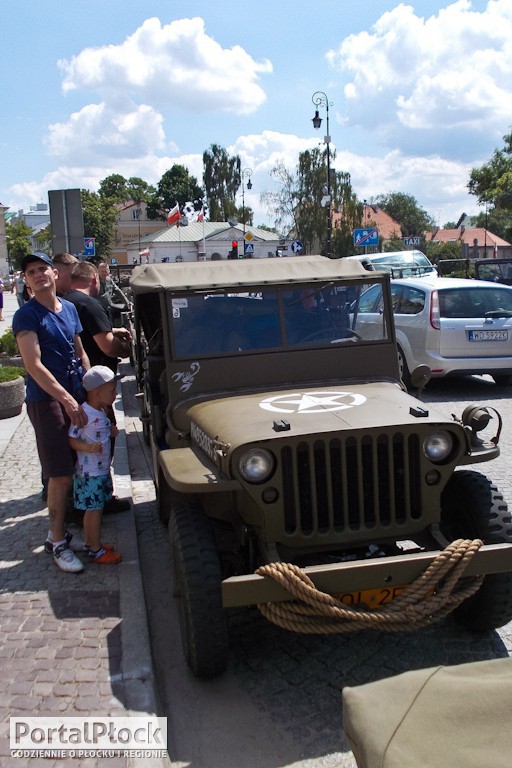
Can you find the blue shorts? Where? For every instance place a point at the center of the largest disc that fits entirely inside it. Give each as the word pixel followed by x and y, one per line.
pixel 91 492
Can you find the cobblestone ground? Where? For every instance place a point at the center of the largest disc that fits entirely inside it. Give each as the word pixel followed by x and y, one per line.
pixel 60 644
pixel 280 702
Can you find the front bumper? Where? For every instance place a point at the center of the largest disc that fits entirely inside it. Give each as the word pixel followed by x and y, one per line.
pixel 336 578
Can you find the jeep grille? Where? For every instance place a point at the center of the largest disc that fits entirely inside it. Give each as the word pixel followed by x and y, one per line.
pixel 358 484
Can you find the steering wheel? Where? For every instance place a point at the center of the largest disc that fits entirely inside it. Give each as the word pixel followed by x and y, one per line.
pixel 332 334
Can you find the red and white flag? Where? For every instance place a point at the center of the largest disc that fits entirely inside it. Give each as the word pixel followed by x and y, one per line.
pixel 174 215
pixel 200 215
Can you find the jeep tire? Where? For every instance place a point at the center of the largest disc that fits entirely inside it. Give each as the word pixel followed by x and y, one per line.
pixel 472 507
pixel 197 587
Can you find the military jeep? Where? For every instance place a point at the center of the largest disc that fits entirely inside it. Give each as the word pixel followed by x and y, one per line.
pixel 281 433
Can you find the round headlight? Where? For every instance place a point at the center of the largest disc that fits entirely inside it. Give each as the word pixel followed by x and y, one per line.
pixel 256 465
pixel 438 446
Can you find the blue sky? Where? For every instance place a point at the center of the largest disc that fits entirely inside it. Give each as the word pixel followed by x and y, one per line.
pixel 420 92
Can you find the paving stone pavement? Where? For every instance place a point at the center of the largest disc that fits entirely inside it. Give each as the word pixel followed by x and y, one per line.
pixel 70 644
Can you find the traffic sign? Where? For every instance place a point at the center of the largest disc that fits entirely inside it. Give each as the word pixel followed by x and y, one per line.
pixel 366 236
pixel 296 246
pixel 411 240
pixel 248 249
pixel 89 247
pixel 248 237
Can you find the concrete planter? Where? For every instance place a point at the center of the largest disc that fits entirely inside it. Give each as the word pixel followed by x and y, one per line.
pixel 12 397
pixel 14 360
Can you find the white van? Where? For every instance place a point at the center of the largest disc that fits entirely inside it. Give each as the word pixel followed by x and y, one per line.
pixel 399 263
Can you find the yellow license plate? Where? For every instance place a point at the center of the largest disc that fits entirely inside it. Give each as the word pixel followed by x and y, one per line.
pixel 370 598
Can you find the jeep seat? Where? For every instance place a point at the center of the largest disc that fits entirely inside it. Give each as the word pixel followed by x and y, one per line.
pixel 457 717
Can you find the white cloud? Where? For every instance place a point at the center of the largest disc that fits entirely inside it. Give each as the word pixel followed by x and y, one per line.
pixel 101 131
pixel 425 83
pixel 175 63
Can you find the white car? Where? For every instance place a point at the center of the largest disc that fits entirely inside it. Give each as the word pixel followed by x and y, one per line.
pixel 399 263
pixel 455 326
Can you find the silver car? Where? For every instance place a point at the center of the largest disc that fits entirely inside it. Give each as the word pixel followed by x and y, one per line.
pixel 455 326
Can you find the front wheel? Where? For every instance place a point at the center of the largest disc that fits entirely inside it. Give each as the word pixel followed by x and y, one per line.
pixel 472 507
pixel 197 587
pixel 404 370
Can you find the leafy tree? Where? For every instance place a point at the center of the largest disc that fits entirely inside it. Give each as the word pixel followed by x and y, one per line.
pixel 244 214
pixel 44 240
pixel 280 203
pixel 496 220
pixel 175 186
pixel 297 204
pixel 492 182
pixel 18 237
pixel 114 188
pixel 393 244
pixel 222 178
pixel 139 190
pixel 351 214
pixel 404 209
pixel 118 189
pixel 100 216
pixel 437 251
pixel 492 185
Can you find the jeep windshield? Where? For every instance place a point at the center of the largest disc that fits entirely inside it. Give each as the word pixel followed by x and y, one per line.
pixel 277 318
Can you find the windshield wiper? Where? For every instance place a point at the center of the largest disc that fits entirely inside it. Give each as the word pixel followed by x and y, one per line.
pixel 499 313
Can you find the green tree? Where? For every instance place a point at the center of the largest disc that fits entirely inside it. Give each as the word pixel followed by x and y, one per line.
pixel 437 251
pixel 114 187
pixel 280 203
pixel 492 182
pixel 100 216
pixel 404 209
pixel 139 190
pixel 222 179
pixel 44 240
pixel 18 237
pixel 117 188
pixel 175 186
pixel 492 185
pixel 297 203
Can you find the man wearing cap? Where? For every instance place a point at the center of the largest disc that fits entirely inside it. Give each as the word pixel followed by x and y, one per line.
pixel 47 331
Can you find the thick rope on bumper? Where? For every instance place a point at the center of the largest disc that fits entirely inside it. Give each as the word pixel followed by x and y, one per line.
pixel 434 594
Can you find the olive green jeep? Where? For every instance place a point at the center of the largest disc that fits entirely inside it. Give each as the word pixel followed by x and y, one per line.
pixel 281 433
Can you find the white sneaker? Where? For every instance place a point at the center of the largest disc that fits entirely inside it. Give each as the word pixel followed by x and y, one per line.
pixel 66 559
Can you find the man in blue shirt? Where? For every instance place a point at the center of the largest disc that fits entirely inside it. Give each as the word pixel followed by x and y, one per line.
pixel 47 331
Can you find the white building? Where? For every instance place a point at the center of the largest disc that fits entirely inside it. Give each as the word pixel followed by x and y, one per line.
pixel 206 241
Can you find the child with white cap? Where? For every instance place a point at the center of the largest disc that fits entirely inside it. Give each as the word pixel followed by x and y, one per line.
pixel 92 482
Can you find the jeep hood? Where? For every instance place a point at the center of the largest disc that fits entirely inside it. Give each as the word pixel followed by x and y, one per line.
pixel 251 418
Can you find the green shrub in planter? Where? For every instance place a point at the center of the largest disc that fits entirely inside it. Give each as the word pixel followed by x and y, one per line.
pixel 11 372
pixel 8 343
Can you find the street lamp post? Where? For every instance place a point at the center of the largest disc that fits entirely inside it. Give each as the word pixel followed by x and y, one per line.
pixel 246 174
pixel 320 99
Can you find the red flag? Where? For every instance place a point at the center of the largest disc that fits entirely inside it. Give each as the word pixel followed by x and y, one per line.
pixel 173 217
pixel 200 215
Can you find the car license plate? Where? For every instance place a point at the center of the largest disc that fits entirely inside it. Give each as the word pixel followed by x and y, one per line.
pixel 370 598
pixel 488 335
